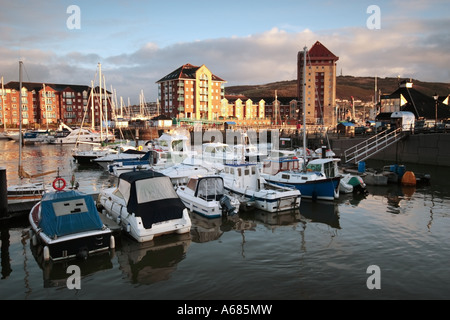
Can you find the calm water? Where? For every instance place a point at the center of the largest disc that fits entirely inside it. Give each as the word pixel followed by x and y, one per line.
pixel 322 251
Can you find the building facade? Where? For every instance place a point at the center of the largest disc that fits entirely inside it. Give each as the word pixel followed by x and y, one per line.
pixel 191 92
pixel 320 85
pixel 45 105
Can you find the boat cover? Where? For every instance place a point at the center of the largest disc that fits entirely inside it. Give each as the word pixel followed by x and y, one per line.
pixel 210 188
pixel 151 196
pixel 68 212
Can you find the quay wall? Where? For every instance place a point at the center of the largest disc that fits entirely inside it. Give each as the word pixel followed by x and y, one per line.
pixel 422 148
pixel 426 149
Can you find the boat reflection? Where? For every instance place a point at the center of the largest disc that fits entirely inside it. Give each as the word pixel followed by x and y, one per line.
pixel 272 220
pixel 55 273
pixel 393 194
pixel 326 212
pixel 152 261
pixel 205 229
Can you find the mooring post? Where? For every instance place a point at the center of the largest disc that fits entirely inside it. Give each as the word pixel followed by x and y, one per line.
pixel 3 193
pixel 137 137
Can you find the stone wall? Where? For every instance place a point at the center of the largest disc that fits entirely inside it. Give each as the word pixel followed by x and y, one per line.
pixel 428 149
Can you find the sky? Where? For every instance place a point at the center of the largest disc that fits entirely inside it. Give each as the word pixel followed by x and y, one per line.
pixel 241 41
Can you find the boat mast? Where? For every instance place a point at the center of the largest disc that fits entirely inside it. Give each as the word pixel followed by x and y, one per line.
pixel 121 107
pixel 20 121
pixel 3 107
pixel 92 107
pixel 45 105
pixel 304 106
pixel 100 99
pixel 106 112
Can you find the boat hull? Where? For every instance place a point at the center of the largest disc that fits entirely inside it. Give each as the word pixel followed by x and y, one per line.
pixel 116 210
pixel 323 189
pixel 78 245
pixel 265 202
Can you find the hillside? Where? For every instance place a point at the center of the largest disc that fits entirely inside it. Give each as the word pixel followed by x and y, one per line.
pixel 361 88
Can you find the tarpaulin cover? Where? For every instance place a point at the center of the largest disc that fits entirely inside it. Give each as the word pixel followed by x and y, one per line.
pixel 151 196
pixel 68 212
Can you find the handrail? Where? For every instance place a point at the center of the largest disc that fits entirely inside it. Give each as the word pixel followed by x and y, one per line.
pixel 373 145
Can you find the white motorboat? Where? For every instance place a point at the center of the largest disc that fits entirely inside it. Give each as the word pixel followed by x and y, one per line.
pixel 245 181
pixel 206 195
pixel 103 156
pixel 82 135
pixel 146 205
pixel 37 136
pixel 218 152
pixel 67 225
pixel 180 173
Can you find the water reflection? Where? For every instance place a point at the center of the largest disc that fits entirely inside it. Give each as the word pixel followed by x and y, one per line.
pixel 272 220
pixel 55 273
pixel 205 229
pixel 326 212
pixel 152 261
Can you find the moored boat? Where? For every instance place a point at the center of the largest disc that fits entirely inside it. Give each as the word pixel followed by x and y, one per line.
pixel 312 183
pixel 146 205
pixel 245 182
pixel 206 195
pixel 68 225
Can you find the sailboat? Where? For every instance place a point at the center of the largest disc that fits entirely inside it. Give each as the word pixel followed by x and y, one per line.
pixel 91 137
pixel 286 172
pixel 24 196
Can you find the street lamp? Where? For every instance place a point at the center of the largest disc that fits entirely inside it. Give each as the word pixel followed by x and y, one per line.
pixel 436 97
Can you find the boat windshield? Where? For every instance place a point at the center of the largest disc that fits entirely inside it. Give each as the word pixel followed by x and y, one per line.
pixel 210 189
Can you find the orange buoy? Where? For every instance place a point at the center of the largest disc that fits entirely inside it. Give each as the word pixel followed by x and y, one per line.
pixel 409 179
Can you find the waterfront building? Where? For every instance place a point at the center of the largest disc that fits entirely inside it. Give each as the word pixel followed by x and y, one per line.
pixel 191 92
pixel 320 85
pixel 49 104
pixel 407 98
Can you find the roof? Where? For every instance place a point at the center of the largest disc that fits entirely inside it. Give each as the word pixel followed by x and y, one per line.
pixel 30 86
pixel 187 71
pixel 319 51
pixel 420 104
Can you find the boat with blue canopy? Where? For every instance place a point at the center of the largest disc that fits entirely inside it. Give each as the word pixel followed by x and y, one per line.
pixel 67 224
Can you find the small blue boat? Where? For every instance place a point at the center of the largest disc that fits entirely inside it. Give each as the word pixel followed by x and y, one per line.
pixel 68 225
pixel 312 183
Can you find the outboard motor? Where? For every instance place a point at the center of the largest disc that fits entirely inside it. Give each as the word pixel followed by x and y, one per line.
pixel 227 207
pixel 82 253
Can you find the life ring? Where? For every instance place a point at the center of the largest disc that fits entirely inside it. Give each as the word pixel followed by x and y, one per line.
pixel 140 148
pixel 59 184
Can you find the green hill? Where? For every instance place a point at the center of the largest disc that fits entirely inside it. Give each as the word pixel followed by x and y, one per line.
pixel 361 88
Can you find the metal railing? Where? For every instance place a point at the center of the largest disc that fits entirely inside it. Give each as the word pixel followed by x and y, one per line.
pixel 373 145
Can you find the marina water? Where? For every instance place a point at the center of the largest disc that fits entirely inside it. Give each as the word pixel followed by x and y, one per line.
pixel 391 244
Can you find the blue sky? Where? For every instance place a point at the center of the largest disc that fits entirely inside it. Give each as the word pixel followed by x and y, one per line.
pixel 243 42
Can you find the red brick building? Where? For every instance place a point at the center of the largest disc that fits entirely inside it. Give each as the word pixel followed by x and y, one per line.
pixel 191 92
pixel 320 85
pixel 51 104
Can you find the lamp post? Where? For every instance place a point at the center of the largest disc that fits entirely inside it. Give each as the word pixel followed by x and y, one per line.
pixel 436 97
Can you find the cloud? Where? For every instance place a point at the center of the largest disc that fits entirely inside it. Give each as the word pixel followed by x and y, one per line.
pixel 416 49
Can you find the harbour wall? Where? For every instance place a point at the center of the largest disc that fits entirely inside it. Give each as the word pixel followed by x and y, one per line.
pixel 423 148
pixel 426 149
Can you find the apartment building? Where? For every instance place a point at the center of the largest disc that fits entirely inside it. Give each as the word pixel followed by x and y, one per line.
pixel 191 92
pixel 49 104
pixel 320 85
